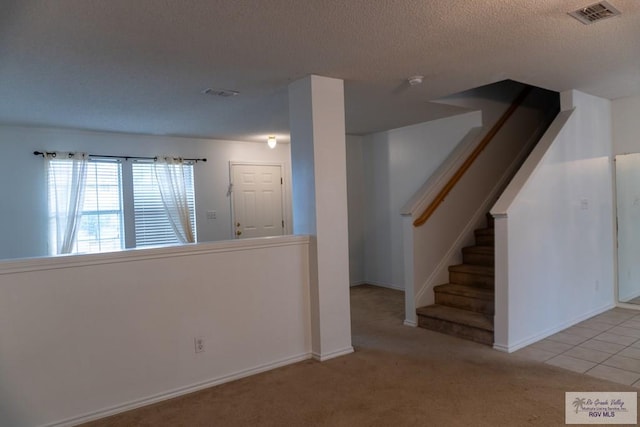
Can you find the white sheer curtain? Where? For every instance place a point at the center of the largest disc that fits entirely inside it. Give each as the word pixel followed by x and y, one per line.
pixel 170 176
pixel 66 178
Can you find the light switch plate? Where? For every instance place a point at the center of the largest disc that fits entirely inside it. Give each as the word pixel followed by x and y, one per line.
pixel 584 204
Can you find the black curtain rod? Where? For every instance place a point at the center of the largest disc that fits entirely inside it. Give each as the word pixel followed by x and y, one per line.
pixel 40 153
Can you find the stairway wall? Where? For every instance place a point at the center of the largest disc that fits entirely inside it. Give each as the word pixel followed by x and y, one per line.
pixel 385 169
pixel 393 165
pixel 555 229
pixel 355 207
pixel 438 243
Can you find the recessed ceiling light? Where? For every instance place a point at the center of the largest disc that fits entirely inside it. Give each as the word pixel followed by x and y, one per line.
pixel 225 93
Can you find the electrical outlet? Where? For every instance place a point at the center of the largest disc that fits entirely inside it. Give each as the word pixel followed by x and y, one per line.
pixel 199 344
pixel 211 215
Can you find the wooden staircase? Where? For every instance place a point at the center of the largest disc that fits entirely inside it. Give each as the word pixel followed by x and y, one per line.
pixel 464 307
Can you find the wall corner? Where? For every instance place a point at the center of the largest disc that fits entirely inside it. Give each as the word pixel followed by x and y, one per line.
pixel 567 100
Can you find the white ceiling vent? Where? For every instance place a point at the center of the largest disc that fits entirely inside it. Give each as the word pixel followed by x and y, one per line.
pixel 225 93
pixel 595 12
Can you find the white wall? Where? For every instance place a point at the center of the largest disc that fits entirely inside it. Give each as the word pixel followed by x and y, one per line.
pixel 626 125
pixel 88 335
pixel 554 229
pixel 23 212
pixel 395 165
pixel 355 204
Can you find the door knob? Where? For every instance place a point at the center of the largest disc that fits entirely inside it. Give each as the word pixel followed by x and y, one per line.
pixel 238 232
pixel 238 224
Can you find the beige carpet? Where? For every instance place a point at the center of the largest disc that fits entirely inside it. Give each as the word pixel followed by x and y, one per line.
pixel 398 376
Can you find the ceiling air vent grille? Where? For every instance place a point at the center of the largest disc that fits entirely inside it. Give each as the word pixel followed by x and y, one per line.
pixel 225 93
pixel 595 12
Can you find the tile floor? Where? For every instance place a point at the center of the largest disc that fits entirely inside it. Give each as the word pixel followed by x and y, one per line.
pixel 606 346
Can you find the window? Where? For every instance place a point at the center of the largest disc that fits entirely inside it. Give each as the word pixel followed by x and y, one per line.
pixel 100 225
pixel 88 215
pixel 151 222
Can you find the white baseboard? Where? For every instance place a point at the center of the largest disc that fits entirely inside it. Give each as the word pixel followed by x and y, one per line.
pixel 501 348
pixel 384 285
pixel 332 355
pixel 510 348
pixel 411 323
pixel 358 283
pixel 628 297
pixel 91 416
pixel 629 306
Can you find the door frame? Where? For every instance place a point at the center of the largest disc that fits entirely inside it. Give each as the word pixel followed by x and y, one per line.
pixel 284 188
pixel 616 281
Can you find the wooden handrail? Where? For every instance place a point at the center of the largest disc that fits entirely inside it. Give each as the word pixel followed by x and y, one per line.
pixel 472 157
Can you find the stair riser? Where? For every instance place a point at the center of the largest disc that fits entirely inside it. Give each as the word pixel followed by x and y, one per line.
pixel 461 331
pixel 464 307
pixel 465 303
pixel 471 279
pixel 490 221
pixel 478 259
pixel 485 240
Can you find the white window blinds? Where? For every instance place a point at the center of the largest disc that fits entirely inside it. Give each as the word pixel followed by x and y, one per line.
pixel 152 224
pixel 100 217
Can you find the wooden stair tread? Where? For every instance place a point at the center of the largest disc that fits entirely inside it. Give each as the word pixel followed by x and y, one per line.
pixel 465 306
pixel 467 291
pixel 482 270
pixel 458 316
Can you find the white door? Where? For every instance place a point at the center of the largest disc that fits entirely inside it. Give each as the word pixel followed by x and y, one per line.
pixel 628 204
pixel 257 200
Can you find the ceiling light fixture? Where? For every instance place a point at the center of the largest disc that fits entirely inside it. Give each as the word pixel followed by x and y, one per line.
pixel 272 142
pixel 415 80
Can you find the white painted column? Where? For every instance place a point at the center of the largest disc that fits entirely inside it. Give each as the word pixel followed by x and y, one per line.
pixel 318 157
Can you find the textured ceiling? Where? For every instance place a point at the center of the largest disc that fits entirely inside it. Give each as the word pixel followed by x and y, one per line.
pixel 140 65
